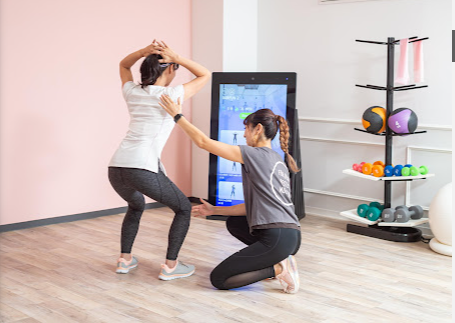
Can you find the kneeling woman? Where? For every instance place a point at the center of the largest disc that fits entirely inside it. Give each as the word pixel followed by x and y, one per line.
pixel 266 222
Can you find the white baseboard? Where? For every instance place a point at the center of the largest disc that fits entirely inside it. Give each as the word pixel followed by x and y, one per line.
pixel 322 212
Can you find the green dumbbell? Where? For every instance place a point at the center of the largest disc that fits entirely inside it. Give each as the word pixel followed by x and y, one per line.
pixel 422 170
pixel 410 170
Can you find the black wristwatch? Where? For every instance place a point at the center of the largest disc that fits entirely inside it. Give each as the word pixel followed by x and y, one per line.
pixel 177 117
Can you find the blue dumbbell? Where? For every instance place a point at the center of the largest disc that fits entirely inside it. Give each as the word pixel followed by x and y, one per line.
pixel 388 170
pixel 397 170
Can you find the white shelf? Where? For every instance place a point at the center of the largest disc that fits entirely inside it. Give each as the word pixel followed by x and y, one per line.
pixel 390 178
pixel 410 223
pixel 352 214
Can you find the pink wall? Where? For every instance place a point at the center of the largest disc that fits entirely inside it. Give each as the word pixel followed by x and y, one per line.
pixel 62 113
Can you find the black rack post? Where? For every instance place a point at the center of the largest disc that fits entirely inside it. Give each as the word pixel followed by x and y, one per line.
pixel 389 110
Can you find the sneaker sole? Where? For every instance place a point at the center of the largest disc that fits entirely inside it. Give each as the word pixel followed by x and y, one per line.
pixel 171 277
pixel 125 270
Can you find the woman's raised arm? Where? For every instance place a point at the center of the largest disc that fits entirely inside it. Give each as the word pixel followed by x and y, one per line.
pixel 202 74
pixel 221 149
pixel 131 59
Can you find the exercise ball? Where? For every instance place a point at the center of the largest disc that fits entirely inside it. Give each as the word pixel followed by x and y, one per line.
pixel 403 120
pixel 440 218
pixel 373 119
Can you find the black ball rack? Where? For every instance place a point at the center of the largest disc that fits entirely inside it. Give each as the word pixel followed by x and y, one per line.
pixel 398 234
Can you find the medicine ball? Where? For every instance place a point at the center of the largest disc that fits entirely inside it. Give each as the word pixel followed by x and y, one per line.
pixel 373 119
pixel 403 120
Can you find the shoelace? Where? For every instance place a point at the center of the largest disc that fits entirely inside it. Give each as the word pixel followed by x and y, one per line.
pixel 183 264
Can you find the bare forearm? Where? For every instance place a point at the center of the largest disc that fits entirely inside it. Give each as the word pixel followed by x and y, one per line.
pixel 197 69
pixel 131 59
pixel 196 135
pixel 235 210
pixel 221 149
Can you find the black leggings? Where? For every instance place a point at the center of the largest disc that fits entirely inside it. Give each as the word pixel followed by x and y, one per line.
pixel 266 248
pixel 132 184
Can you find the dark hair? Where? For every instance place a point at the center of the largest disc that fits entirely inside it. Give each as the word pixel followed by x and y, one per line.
pixel 151 70
pixel 271 123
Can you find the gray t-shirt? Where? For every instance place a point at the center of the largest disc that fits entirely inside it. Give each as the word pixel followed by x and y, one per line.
pixel 266 187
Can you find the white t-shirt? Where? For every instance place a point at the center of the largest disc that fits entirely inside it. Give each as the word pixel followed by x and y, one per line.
pixel 149 129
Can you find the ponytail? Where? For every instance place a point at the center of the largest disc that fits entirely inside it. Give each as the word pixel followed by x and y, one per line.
pixel 271 123
pixel 151 70
pixel 284 143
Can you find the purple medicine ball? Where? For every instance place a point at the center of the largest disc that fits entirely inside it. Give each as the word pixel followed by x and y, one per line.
pixel 403 120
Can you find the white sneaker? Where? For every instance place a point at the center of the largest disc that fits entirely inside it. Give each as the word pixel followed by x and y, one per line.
pixel 124 266
pixel 181 270
pixel 289 277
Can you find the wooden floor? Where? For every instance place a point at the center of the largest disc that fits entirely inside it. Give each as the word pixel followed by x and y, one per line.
pixel 65 273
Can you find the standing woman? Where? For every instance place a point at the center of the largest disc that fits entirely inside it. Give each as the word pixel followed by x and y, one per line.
pixel 135 169
pixel 266 222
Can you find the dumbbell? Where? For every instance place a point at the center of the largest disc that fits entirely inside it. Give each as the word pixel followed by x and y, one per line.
pixel 372 212
pixel 388 215
pixel 413 170
pixel 388 170
pixel 397 170
pixel 402 214
pixel 377 168
pixel 406 170
pixel 358 167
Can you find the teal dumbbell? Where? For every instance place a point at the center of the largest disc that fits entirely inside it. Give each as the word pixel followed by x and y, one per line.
pixel 377 205
pixel 372 212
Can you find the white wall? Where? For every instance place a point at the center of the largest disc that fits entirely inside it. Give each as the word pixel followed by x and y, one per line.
pixel 318 42
pixel 240 35
pixel 224 37
pixel 207 48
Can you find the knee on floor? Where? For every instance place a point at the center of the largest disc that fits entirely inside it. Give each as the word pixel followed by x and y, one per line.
pixel 217 282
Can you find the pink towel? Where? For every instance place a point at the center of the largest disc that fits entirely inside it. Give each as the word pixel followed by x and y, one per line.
pixel 403 70
pixel 418 62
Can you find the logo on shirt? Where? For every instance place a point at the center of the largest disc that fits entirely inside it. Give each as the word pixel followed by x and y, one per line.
pixel 280 183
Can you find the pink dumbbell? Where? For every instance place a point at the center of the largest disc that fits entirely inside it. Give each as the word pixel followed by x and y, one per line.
pixel 358 167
